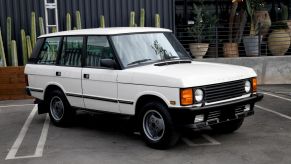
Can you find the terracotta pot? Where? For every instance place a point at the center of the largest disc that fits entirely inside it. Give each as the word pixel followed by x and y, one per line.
pixel 279 42
pixel 198 50
pixel 264 18
pixel 230 50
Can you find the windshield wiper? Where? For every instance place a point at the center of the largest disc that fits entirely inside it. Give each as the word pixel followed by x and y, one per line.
pixel 139 61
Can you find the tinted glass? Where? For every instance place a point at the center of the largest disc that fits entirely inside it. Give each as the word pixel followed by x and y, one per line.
pixel 97 48
pixel 149 47
pixel 72 51
pixel 49 51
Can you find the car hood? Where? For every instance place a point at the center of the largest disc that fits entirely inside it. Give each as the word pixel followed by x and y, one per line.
pixel 185 75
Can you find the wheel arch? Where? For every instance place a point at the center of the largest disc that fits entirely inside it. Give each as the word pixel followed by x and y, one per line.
pixel 52 86
pixel 146 98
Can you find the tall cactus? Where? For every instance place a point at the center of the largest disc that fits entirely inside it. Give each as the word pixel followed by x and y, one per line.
pixel 157 20
pixel 41 26
pixel 29 47
pixel 68 22
pixel 9 39
pixel 14 53
pixel 142 18
pixel 33 29
pixel 24 47
pixel 102 21
pixel 2 53
pixel 132 19
pixel 78 20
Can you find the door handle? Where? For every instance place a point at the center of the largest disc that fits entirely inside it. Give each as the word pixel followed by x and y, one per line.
pixel 58 74
pixel 86 76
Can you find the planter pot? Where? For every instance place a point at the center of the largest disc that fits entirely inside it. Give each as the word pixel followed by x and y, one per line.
pixel 251 44
pixel 230 50
pixel 264 18
pixel 198 50
pixel 279 42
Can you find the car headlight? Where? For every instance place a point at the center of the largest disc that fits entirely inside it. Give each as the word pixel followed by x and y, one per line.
pixel 199 95
pixel 248 86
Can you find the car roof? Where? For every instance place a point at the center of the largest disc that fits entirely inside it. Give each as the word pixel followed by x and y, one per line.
pixel 107 31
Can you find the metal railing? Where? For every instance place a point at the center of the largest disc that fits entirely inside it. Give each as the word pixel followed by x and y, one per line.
pixel 271 41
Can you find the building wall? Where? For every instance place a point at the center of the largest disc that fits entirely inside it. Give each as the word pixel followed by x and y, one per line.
pixel 116 13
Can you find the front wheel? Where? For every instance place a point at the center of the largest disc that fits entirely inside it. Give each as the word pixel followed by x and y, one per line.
pixel 228 127
pixel 156 126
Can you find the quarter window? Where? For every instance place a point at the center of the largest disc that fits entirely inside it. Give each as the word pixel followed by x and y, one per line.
pixel 49 51
pixel 72 51
pixel 97 48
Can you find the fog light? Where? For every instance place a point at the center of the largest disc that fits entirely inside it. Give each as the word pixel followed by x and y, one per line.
pixel 247 108
pixel 199 118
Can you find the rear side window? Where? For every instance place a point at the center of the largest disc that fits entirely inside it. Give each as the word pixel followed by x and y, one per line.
pixel 72 51
pixel 49 51
pixel 97 48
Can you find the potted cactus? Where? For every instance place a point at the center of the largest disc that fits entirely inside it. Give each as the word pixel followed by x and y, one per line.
pixel 201 30
pixel 262 16
pixel 251 42
pixel 230 49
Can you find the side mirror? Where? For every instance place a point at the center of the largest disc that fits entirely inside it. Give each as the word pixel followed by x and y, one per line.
pixel 108 63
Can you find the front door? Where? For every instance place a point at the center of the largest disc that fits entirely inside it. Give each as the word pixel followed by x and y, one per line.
pixel 99 83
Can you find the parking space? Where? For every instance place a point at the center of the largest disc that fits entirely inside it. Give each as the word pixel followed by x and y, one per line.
pixel 27 137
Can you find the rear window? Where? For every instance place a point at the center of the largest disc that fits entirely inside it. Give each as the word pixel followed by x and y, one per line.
pixel 72 51
pixel 49 51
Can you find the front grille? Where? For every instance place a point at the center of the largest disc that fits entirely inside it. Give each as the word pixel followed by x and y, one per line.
pixel 223 91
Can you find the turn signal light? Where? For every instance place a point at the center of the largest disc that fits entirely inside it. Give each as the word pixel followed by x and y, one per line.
pixel 254 84
pixel 186 96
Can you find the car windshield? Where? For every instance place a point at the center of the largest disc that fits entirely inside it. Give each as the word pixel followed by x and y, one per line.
pixel 148 47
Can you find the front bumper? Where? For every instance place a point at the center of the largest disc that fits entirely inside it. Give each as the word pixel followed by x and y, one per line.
pixel 217 113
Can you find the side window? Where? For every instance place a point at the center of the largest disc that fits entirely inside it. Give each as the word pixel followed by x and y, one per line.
pixel 97 48
pixel 72 51
pixel 49 51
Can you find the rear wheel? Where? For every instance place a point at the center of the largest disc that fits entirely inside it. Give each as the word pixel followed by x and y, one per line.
pixel 156 126
pixel 228 127
pixel 59 108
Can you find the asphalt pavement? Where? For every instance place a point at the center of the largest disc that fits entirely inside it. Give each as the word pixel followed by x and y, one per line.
pixel 29 138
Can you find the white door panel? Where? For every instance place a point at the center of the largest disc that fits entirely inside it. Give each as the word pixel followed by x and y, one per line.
pixel 70 80
pixel 100 89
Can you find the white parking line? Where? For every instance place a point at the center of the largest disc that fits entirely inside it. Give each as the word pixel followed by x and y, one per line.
pixel 18 141
pixel 270 94
pixel 211 142
pixel 8 106
pixel 274 112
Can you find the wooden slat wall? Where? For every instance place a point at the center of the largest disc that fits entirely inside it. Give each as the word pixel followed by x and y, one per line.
pixel 12 83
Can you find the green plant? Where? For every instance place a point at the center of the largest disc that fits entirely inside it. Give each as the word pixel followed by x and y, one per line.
pixel 251 7
pixel 9 39
pixel 14 53
pixel 284 12
pixel 279 25
pixel 142 18
pixel 157 21
pixel 132 19
pixel 54 29
pixel 68 22
pixel 204 24
pixel 29 47
pixel 33 30
pixel 2 53
pixel 41 26
pixel 78 20
pixel 24 46
pixel 102 21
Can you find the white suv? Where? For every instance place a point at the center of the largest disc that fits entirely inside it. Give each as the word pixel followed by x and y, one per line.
pixel 144 73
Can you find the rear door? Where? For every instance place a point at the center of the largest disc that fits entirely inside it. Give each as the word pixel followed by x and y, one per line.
pixel 99 83
pixel 68 71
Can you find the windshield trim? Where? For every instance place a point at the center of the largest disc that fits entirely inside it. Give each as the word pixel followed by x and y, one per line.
pixel 149 62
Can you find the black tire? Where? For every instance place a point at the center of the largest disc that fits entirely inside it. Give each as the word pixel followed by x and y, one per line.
pixel 65 117
pixel 168 136
pixel 228 127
